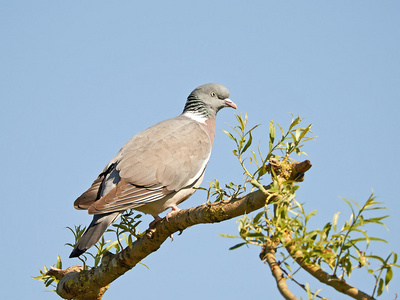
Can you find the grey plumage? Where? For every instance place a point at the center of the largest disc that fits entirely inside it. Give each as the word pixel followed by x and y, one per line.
pixel 156 169
pixel 94 232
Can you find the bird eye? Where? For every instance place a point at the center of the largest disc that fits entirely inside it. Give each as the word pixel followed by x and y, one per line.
pixel 213 94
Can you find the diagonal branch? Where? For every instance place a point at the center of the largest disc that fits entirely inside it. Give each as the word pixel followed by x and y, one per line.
pixel 74 284
pixel 88 284
pixel 316 271
pixel 268 255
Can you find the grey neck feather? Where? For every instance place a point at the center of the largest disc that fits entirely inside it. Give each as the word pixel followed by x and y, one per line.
pixel 196 106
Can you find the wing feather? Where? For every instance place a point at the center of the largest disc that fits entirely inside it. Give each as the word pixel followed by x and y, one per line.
pixel 90 196
pixel 157 162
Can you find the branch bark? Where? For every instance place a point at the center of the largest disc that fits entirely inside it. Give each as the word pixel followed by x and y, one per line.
pixel 91 284
pixel 338 284
pixel 74 284
pixel 268 255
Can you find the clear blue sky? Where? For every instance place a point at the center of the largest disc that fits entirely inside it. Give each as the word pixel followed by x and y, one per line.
pixel 78 79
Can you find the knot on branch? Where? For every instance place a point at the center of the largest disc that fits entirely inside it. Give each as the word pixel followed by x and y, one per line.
pixel 215 213
pixel 269 247
pixel 107 257
pixel 150 232
pixel 59 274
pixel 285 170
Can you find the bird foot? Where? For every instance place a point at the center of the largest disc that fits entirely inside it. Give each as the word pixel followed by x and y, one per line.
pixel 172 236
pixel 174 210
pixel 156 219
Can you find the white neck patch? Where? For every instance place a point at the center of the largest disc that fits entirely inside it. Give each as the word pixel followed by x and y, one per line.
pixel 195 116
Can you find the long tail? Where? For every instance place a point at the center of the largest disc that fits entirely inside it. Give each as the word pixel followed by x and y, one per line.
pixel 94 232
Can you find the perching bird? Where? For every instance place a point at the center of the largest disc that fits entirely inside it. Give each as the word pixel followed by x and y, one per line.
pixel 156 169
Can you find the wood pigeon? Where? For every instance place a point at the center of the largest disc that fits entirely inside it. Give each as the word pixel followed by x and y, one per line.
pixel 156 169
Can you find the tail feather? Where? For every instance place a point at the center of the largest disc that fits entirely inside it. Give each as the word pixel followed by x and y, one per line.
pixel 94 232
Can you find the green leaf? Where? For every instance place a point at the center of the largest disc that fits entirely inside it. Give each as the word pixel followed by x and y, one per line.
pixel 110 246
pixel 240 120
pixel 326 230
pixel 130 242
pixel 59 263
pixel 305 131
pixel 282 132
pixel 349 204
pixel 388 277
pixel 255 235
pixel 228 235
pixel 294 123
pixel 376 257
pixel 297 134
pixel 40 277
pixel 376 220
pixel 229 134
pixel 262 171
pixel 349 267
pixel 369 239
pixel 258 216
pixel 237 246
pixel 49 282
pixel 380 288
pixel 255 158
pixel 335 220
pixel 271 134
pixel 245 120
pixel 248 143
pixel 311 214
pixel 394 257
pixel 308 291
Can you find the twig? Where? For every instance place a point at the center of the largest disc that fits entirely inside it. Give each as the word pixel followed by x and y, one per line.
pixel 268 255
pixel 300 284
pixel 331 280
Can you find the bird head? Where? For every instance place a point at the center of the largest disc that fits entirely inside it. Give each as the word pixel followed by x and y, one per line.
pixel 208 99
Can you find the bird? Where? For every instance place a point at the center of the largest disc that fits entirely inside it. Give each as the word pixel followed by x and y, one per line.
pixel 158 168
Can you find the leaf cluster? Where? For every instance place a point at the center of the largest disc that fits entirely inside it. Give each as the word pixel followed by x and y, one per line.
pixel 125 230
pixel 49 280
pixel 345 249
pixel 339 248
pixel 291 141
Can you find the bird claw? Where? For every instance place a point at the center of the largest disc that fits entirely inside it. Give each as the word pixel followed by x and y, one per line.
pixel 172 236
pixel 156 219
pixel 174 210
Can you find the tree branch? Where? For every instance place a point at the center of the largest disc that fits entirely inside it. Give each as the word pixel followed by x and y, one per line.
pixel 268 254
pixel 74 284
pixel 90 284
pixel 316 271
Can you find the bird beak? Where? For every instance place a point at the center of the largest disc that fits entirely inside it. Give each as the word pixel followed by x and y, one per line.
pixel 230 103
